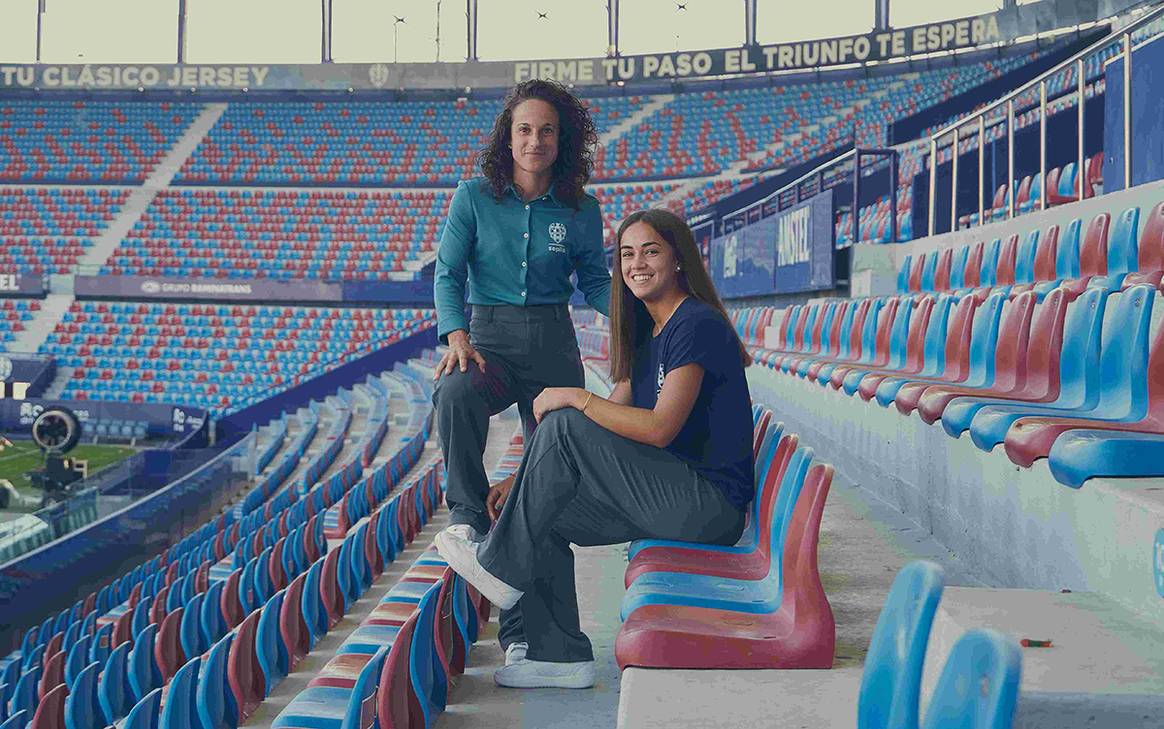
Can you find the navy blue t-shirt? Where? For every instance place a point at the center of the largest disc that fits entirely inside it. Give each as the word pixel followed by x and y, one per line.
pixel 716 440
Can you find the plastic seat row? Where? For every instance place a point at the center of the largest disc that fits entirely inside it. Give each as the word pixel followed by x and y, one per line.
pixel 1105 253
pixel 757 604
pixel 281 547
pixel 240 353
pixel 88 141
pixel 1072 374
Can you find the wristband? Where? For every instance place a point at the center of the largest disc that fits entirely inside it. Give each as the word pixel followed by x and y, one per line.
pixel 587 404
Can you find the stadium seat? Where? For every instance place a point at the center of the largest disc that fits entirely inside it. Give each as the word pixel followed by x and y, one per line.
pixel 178 711
pixel 979 684
pixel 891 680
pixel 113 688
pixel 50 710
pixel 82 708
pixel 144 714
pixel 213 698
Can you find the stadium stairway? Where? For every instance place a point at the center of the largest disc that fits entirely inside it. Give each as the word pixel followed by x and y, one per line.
pixel 609 136
pixel 43 322
pixel 156 180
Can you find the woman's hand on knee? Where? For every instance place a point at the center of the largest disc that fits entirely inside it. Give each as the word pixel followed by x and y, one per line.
pixel 459 354
pixel 498 495
pixel 556 398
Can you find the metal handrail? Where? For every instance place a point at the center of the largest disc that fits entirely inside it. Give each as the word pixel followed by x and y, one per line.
pixel 1040 82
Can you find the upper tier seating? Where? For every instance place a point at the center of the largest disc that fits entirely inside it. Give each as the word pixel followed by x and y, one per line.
pixel 319 234
pixel 411 143
pixel 13 314
pixel 218 357
pixel 48 229
pixel 88 141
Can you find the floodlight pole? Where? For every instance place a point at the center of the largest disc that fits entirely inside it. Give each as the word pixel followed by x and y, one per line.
pixel 612 28
pixel 749 22
pixel 471 28
pixel 325 8
pixel 880 15
pixel 181 31
pixel 39 26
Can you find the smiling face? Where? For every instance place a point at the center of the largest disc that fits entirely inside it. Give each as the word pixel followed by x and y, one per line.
pixel 533 136
pixel 647 263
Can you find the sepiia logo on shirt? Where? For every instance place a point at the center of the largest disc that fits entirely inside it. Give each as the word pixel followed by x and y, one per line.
pixel 659 381
pixel 557 233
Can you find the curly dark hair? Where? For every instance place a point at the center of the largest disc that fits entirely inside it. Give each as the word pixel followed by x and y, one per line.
pixel 577 139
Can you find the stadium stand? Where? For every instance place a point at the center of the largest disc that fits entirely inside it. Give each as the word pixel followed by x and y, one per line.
pixel 48 229
pixel 238 352
pixel 87 141
pixel 14 313
pixel 292 234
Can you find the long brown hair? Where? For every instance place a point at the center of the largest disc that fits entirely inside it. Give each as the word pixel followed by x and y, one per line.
pixel 577 139
pixel 630 323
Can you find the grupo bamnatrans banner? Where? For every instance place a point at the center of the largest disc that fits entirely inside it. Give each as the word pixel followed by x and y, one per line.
pixel 949 35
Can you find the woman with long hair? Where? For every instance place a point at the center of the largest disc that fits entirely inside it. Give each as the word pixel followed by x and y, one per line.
pixel 514 235
pixel 667 455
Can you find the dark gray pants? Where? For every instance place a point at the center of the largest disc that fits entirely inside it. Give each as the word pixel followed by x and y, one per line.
pixel 579 483
pixel 526 349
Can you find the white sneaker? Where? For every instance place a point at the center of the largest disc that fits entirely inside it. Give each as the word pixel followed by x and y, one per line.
pixel 515 652
pixel 465 531
pixel 461 554
pixel 544 674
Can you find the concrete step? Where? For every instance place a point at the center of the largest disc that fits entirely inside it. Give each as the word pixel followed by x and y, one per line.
pixel 1104 668
pixel 37 330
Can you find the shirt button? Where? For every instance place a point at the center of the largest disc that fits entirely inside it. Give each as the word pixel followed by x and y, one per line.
pixel 525 235
pixel 527 207
pixel 523 264
pixel 523 293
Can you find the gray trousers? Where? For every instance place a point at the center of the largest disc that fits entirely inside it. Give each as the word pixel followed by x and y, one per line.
pixel 526 349
pixel 580 483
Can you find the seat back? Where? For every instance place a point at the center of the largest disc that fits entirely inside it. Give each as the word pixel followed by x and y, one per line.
pixel 840 335
pixel 178 711
pixel 82 709
pixel 50 712
pixel 213 698
pixel 1123 360
pixel 314 610
pixel 943 269
pixel 230 602
pixel 75 661
pixel 929 271
pixel 1093 249
pixel 54 672
pixel 934 346
pixel 988 272
pixel 979 685
pixel 362 706
pixel 395 699
pixel 805 597
pixel 958 268
pixel 144 714
pixel 891 679
pixel 915 340
pixel 784 447
pixel 190 630
pixel 798 464
pixel 113 689
pixel 423 655
pixel 242 669
pixel 984 338
pixel 915 272
pixel 1024 259
pixel 210 619
pixel 168 646
pixel 1014 336
pixel 269 648
pixel 1007 262
pixel 1122 254
pixel 1151 246
pixel 972 275
pixel 292 627
pixel 1082 337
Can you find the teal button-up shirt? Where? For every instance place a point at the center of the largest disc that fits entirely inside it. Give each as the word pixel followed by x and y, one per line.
pixel 516 253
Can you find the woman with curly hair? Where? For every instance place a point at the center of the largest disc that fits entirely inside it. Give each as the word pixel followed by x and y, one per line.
pixel 515 234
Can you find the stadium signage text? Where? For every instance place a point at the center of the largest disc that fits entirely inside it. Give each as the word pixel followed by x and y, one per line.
pixel 947 36
pixel 17 283
pixel 122 77
pixel 950 35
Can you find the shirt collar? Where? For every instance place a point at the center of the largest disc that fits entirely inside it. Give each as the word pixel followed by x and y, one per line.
pixel 510 188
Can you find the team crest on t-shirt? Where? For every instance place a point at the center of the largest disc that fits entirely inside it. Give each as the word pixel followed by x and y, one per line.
pixel 659 381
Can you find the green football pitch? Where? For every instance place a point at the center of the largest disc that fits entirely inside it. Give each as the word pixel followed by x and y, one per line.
pixel 23 456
